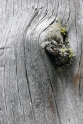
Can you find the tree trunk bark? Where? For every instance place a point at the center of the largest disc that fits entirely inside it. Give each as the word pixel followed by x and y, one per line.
pixel 32 90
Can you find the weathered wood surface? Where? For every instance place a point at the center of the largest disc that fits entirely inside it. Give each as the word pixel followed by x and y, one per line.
pixel 32 91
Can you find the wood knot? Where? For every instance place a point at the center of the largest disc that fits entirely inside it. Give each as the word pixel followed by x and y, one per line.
pixel 57 45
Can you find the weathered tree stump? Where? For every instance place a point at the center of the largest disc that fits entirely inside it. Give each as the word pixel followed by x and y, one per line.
pixel 32 90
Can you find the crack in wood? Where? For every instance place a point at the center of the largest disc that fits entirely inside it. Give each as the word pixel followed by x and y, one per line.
pixel 80 69
pixel 26 75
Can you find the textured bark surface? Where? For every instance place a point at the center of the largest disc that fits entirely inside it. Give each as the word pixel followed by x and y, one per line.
pixel 32 91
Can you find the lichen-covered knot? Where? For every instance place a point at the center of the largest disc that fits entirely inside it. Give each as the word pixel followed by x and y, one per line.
pixel 57 45
pixel 62 55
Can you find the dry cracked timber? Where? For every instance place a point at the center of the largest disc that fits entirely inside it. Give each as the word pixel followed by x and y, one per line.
pixel 32 91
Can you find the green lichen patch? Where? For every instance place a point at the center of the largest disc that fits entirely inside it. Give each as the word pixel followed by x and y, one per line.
pixel 63 30
pixel 71 54
pixel 66 52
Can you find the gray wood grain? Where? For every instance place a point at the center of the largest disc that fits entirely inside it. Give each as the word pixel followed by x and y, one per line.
pixel 32 91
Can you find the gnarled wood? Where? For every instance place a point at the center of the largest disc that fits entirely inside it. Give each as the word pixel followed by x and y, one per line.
pixel 32 91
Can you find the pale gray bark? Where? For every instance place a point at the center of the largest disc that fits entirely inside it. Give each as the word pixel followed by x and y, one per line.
pixel 32 91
